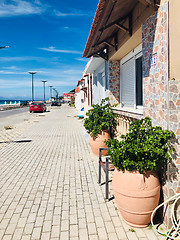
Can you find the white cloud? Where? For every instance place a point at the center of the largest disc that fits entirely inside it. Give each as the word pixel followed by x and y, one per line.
pixel 11 68
pixel 75 13
pixel 71 29
pixel 27 58
pixel 20 7
pixel 11 8
pixel 73 71
pixel 82 59
pixel 10 72
pixel 14 83
pixel 53 49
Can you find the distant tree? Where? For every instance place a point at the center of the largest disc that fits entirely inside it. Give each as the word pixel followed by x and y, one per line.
pixel 61 97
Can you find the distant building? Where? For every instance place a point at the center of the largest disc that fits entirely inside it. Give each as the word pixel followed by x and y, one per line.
pixel 68 96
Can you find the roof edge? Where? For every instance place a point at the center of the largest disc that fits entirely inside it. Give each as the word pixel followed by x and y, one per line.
pixel 98 14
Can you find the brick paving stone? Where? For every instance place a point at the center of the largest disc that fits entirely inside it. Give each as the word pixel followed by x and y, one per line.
pixel 18 234
pixel 48 186
pixel 45 236
pixel 26 237
pixel 28 228
pixel 93 237
pixel 64 235
pixel 102 233
pixel 73 230
pixel 10 229
pixel 83 234
pixel 6 237
pixel 55 232
pixel 131 236
pixel 112 236
pixel 65 225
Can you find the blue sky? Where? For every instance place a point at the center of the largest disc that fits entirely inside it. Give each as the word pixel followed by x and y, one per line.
pixel 44 36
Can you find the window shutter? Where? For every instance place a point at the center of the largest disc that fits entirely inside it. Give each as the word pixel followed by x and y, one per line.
pixel 127 80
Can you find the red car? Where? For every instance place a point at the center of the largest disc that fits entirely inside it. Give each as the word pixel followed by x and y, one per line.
pixel 37 107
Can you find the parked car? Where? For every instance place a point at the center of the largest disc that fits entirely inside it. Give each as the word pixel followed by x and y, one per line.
pixel 24 103
pixel 55 103
pixel 37 107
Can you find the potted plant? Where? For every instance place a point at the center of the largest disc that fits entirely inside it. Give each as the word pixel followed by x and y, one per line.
pixel 98 122
pixel 142 152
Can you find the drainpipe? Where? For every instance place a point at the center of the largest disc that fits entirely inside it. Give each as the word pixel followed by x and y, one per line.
pixel 107 77
pixel 168 167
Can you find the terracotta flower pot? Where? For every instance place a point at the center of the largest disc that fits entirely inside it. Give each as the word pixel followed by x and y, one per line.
pixel 98 142
pixel 136 195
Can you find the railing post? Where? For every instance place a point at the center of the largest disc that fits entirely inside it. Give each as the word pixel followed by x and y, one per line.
pixel 107 178
pixel 99 166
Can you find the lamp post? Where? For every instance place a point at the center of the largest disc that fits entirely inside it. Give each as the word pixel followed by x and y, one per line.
pixel 32 73
pixel 57 94
pixel 4 47
pixel 51 91
pixel 44 82
pixel 54 92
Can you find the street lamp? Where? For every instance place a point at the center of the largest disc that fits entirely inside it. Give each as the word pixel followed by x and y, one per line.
pixel 4 47
pixel 57 94
pixel 54 92
pixel 44 81
pixel 32 73
pixel 51 92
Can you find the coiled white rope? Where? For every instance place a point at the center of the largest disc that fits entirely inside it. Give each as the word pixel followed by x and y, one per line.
pixel 173 232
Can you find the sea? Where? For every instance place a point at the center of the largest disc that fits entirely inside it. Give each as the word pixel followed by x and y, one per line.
pixel 2 102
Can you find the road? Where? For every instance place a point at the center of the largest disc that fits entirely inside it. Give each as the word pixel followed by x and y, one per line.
pixel 14 117
pixel 11 112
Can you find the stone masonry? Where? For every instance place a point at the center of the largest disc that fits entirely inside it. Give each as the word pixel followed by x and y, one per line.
pixel 155 90
pixel 114 81
pixel 154 44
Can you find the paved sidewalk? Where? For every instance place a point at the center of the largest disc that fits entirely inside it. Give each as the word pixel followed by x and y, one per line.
pixel 49 189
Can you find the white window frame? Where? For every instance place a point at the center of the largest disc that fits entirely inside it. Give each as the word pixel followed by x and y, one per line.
pixel 135 54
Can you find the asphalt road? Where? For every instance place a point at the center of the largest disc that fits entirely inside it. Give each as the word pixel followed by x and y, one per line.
pixel 12 112
pixel 14 116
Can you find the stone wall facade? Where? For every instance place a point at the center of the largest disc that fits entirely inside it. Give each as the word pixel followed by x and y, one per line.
pixel 154 48
pixel 114 81
pixel 161 96
pixel 174 125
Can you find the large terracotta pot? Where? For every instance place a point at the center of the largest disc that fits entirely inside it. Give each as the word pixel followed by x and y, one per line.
pixel 136 195
pixel 98 142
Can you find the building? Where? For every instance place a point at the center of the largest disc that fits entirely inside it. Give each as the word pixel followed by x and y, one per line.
pixel 138 39
pixel 79 96
pixel 67 96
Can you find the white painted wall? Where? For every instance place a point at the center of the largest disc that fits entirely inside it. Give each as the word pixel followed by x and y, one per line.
pixel 79 99
pixel 99 85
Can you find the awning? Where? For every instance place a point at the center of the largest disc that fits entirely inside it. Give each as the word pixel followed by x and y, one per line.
pixel 109 19
pixel 93 64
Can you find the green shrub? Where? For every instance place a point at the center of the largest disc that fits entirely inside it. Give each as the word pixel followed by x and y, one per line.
pixel 144 148
pixel 100 118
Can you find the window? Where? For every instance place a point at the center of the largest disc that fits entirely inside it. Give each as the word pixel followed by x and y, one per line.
pixel 139 90
pixel 131 79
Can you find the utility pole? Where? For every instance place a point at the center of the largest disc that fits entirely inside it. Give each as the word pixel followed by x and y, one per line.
pixel 54 92
pixel 51 92
pixel 44 82
pixel 4 47
pixel 32 73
